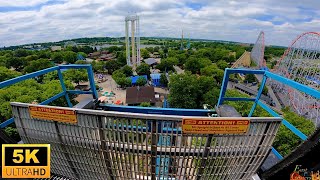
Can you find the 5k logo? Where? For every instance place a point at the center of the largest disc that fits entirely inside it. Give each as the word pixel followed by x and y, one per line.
pixel 26 161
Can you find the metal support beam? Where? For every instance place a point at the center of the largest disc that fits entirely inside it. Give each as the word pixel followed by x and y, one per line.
pixel 284 122
pixel 27 76
pixel 92 84
pixel 258 95
pixel 63 86
pixel 295 85
pixel 223 87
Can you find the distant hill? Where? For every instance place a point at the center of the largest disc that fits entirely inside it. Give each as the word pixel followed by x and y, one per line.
pixel 117 40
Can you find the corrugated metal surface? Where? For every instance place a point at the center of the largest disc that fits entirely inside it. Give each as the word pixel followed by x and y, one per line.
pixel 116 145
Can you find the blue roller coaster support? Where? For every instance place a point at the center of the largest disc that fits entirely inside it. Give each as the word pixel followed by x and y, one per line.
pixel 64 92
pixel 266 74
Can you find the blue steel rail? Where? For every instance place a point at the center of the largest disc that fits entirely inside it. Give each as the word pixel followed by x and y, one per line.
pixel 64 92
pixel 266 75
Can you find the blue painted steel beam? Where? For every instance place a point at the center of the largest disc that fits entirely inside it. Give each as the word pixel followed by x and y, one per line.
pixel 75 66
pixel 244 71
pixel 88 67
pixel 151 110
pixel 6 123
pixel 92 84
pixel 284 122
pixel 238 99
pixel 63 86
pixel 79 92
pixel 301 87
pixel 263 83
pixel 27 76
pixel 223 87
pixel 275 152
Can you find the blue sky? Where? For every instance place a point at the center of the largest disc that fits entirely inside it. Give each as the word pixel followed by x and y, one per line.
pixel 31 21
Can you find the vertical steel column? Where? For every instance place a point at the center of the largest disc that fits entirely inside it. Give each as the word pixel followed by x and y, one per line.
pixel 258 95
pixel 92 84
pixel 138 39
pixel 153 148
pixel 223 86
pixel 133 43
pixel 63 86
pixel 127 43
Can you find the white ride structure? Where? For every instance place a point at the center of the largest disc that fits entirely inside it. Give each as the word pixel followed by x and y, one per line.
pixel 134 60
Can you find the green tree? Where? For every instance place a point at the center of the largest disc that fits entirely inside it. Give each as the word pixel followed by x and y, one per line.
pixel 127 70
pixel 57 57
pixel 285 140
pixel 182 58
pixel 118 74
pixel 165 50
pixel 4 61
pixel 244 107
pixel 123 81
pixel 194 64
pixel 98 66
pixel 81 62
pixel 6 74
pixel 46 54
pixel 50 76
pixel 113 49
pixel 69 57
pixel 86 49
pixel 156 49
pixel 83 54
pixel 141 81
pixel 121 78
pixel 250 78
pixel 183 91
pixel 211 97
pixel 163 80
pixel 209 70
pixel 143 69
pixel 37 65
pixel 21 53
pixel 76 75
pixel 222 64
pixel 121 58
pixel 166 65
pixel 17 63
pixel 32 57
pixel 145 104
pixel 27 91
pixel 218 75
pixel 112 66
pixel 144 53
pixel 150 49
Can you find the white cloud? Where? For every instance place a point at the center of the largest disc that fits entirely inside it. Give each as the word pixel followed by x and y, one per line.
pixel 240 21
pixel 21 3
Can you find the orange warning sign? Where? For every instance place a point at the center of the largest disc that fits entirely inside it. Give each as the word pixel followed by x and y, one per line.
pixel 55 114
pixel 215 126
